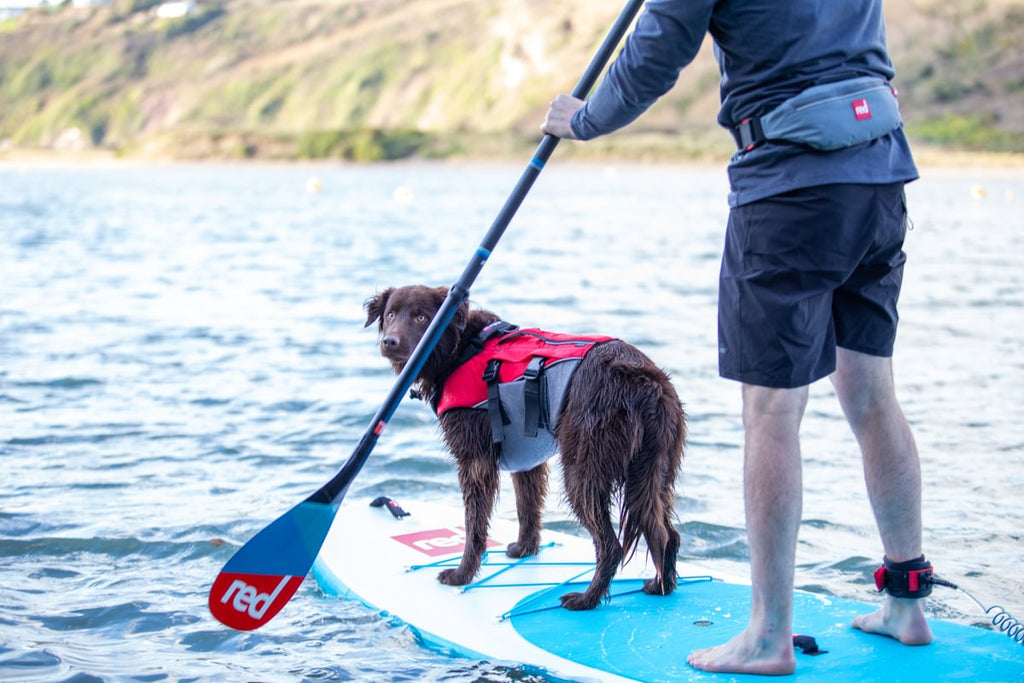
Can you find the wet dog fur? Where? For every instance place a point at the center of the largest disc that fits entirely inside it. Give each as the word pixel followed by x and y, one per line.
pixel 620 434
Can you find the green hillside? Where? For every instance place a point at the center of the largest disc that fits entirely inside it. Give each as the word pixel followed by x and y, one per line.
pixel 372 79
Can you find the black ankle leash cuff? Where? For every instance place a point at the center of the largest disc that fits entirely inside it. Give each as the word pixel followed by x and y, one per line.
pixel 910 579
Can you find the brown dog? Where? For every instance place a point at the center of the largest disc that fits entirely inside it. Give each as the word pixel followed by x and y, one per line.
pixel 620 430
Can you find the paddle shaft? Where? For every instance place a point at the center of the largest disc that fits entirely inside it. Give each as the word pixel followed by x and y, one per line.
pixel 334 490
pixel 261 577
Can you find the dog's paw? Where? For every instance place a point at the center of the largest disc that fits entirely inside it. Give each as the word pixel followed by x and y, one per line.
pixel 578 602
pixel 454 577
pixel 517 549
pixel 656 587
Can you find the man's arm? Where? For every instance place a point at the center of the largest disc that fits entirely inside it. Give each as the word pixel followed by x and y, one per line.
pixel 666 38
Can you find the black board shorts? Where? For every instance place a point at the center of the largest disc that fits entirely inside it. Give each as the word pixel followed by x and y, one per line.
pixel 804 272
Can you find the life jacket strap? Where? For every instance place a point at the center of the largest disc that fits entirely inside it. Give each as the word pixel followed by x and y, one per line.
pixel 910 579
pixel 531 395
pixel 494 411
pixel 498 328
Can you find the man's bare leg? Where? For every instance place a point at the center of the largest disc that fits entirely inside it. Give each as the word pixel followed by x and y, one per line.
pixel 773 490
pixel 892 471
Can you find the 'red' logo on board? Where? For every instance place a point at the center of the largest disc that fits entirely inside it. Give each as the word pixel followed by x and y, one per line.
pixel 436 542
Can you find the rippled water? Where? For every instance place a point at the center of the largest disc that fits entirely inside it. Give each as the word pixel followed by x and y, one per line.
pixel 182 359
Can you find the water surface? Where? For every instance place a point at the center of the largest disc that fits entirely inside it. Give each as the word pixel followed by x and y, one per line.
pixel 183 358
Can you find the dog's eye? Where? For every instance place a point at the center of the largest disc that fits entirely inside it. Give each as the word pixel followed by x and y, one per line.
pixel 390 315
pixel 421 318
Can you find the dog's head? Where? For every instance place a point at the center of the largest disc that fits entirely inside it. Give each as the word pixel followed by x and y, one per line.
pixel 403 315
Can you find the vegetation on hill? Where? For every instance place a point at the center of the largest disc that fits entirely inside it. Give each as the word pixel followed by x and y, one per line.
pixel 384 79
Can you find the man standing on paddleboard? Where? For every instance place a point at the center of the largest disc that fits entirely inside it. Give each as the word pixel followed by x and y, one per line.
pixel 810 274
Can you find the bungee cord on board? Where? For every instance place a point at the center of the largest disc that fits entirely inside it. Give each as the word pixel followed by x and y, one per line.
pixel 1001 619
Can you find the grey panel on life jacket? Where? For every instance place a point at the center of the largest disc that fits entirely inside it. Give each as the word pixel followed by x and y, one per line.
pixel 556 382
pixel 519 452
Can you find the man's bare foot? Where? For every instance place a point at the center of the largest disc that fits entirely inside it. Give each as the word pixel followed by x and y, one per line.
pixel 899 618
pixel 748 655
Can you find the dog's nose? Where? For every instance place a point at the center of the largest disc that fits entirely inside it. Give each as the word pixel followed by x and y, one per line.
pixel 389 341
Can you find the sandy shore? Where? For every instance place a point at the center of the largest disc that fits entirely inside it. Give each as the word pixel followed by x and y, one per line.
pixel 931 158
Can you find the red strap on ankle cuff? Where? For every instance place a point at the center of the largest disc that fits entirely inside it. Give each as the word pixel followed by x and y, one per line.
pixel 912 579
pixel 880 578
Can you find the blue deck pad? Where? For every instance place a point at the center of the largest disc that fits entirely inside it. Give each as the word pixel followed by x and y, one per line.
pixel 648 638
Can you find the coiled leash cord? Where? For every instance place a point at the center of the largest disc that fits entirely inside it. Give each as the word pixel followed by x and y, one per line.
pixel 1002 620
pixel 915 578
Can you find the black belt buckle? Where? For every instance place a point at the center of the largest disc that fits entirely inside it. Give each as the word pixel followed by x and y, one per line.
pixel 749 134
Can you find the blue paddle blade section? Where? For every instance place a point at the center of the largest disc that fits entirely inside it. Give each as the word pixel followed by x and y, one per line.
pixel 264 574
pixel 289 544
pixel 647 638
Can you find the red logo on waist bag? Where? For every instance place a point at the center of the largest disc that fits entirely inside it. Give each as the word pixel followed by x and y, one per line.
pixel 861 110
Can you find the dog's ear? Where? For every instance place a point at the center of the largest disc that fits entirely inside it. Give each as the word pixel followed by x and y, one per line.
pixel 375 306
pixel 461 317
pixel 461 314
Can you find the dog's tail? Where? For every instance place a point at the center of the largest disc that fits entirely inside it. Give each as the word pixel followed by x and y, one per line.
pixel 648 497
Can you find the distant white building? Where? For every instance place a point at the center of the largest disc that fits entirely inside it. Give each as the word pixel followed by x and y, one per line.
pixel 175 10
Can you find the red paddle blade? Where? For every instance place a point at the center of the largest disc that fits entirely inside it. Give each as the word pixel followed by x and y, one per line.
pixel 264 574
pixel 247 601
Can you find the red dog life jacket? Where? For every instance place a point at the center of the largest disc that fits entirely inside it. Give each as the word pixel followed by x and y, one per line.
pixel 520 378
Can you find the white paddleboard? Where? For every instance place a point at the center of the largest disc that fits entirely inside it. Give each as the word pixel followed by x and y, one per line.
pixel 511 614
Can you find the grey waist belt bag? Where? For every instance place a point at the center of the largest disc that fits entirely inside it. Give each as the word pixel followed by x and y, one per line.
pixel 828 116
